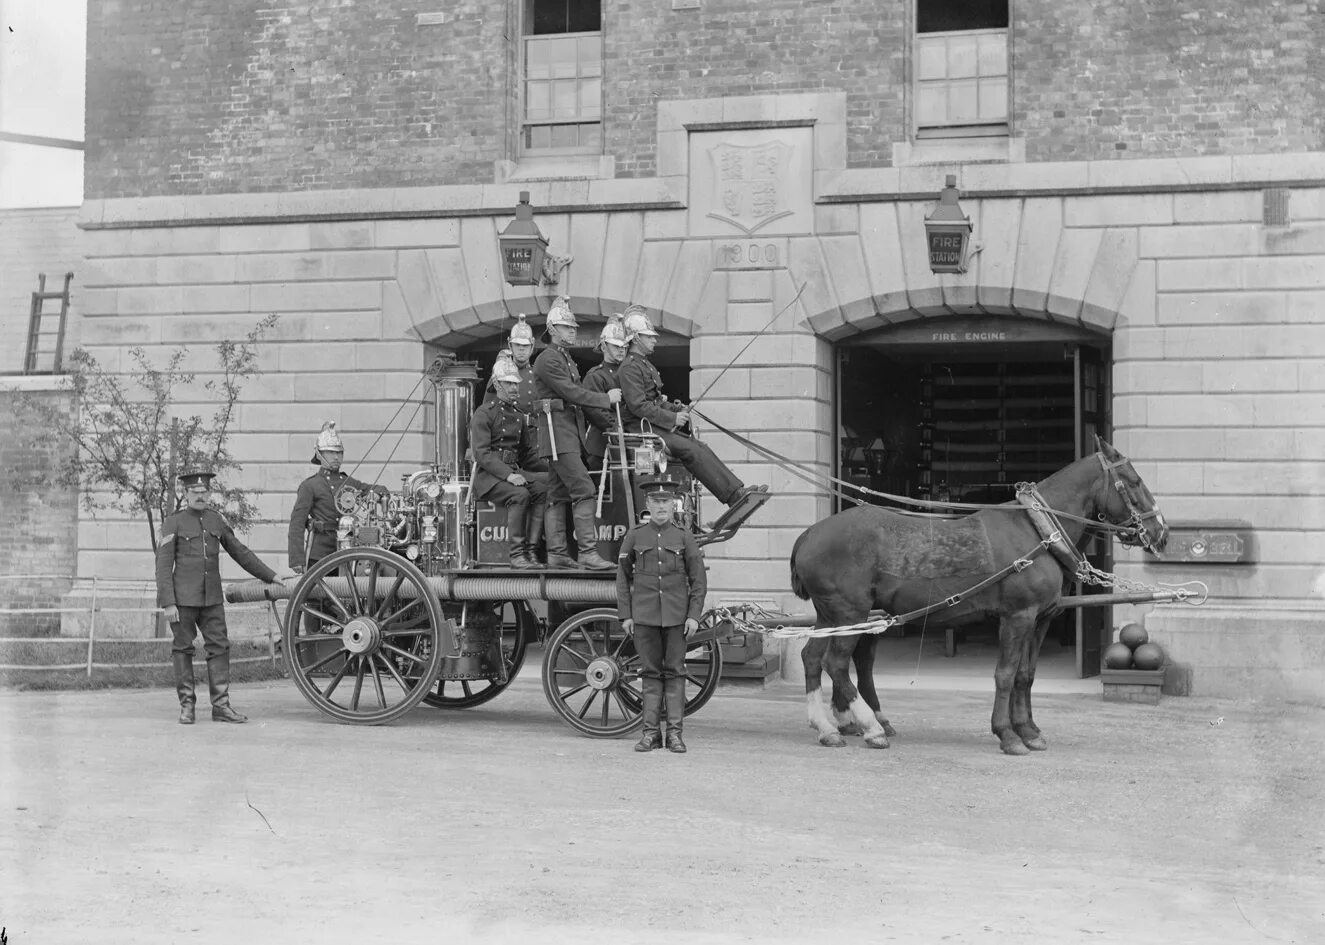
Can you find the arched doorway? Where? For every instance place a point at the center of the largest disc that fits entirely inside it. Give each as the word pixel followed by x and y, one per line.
pixel 961 409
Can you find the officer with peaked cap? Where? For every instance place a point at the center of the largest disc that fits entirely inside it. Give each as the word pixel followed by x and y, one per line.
pixel 603 377
pixel 661 587
pixel 188 589
pixel 505 445
pixel 642 402
pixel 312 534
pixel 560 397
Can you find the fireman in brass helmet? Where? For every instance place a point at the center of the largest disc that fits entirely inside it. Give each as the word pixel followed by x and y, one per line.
pixel 561 395
pixel 505 446
pixel 521 345
pixel 642 402
pixel 312 534
pixel 188 589
pixel 603 377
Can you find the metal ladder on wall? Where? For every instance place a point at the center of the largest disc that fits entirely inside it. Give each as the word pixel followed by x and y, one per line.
pixel 41 358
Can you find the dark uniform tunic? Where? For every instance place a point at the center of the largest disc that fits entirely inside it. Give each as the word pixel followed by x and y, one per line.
pixel 505 441
pixel 188 576
pixel 525 401
pixel 642 402
pixel 315 515
pixel 660 583
pixel 603 378
pixel 558 381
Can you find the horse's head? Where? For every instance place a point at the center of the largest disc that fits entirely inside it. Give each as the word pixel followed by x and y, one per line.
pixel 1128 502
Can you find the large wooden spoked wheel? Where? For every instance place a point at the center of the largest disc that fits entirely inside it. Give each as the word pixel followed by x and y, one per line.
pixel 591 675
pixel 518 626
pixel 703 668
pixel 364 644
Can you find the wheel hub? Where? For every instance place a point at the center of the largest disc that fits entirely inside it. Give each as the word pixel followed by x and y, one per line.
pixel 362 635
pixel 602 673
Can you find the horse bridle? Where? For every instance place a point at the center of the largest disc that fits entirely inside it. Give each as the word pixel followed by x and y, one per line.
pixel 1133 531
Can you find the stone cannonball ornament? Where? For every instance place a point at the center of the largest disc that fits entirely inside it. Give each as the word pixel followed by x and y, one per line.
pixel 1117 656
pixel 1148 656
pixel 1133 634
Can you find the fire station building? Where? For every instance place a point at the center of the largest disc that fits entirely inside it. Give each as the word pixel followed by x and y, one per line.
pixel 1145 259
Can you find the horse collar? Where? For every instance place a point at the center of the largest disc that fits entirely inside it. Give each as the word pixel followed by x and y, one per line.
pixel 1046 522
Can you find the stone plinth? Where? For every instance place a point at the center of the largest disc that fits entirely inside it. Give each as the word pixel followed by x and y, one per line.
pixel 1268 650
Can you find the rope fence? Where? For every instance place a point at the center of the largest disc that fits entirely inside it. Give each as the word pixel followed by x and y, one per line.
pixel 90 664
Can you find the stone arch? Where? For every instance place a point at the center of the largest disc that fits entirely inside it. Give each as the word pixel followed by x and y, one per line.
pixel 478 323
pixel 452 293
pixel 1025 262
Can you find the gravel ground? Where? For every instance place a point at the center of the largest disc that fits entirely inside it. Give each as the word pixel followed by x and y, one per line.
pixel 1193 821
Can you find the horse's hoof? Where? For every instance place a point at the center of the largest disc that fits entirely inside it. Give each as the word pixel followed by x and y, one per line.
pixel 1015 747
pixel 1035 743
pixel 832 740
pixel 851 728
pixel 888 729
pixel 877 741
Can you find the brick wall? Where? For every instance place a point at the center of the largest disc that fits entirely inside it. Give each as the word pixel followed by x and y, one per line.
pixel 32 241
pixel 38 528
pixel 198 98
pixel 1168 79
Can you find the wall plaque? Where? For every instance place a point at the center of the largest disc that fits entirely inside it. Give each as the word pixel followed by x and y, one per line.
pixel 1208 543
pixel 750 183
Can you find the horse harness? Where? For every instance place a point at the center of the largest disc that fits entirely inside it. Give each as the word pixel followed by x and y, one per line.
pixel 1052 537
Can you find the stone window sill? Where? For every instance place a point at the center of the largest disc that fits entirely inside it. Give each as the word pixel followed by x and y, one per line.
pixel 560 167
pixel 986 150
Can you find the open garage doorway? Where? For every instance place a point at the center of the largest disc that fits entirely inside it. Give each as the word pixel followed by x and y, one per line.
pixel 961 410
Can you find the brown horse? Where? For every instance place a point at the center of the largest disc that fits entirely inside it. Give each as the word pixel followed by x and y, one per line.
pixel 876 558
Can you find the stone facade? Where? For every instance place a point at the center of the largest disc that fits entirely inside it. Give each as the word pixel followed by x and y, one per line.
pixel 1163 248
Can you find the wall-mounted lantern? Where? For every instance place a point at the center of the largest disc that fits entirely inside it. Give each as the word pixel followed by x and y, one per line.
pixel 524 256
pixel 523 246
pixel 948 231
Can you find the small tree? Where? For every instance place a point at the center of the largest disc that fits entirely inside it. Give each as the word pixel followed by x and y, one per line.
pixel 129 444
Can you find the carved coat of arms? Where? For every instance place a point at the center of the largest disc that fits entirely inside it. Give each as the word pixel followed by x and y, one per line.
pixel 748 184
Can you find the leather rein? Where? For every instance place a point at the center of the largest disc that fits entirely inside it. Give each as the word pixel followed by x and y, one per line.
pixel 1132 532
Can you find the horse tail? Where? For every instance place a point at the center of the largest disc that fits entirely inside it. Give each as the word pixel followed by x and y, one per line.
pixel 797 585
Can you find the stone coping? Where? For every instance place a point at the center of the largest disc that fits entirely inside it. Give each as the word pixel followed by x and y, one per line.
pixel 832 184
pixel 1074 178
pixel 28 383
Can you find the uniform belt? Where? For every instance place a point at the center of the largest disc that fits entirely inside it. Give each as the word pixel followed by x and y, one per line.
pixel 321 527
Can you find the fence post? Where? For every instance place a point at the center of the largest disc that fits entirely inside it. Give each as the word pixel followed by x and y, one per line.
pixel 92 629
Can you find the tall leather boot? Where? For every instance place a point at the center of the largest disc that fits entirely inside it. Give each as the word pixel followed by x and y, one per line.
pixel 515 534
pixel 558 551
pixel 183 663
pixel 537 515
pixel 651 738
pixel 586 537
pixel 674 690
pixel 218 680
